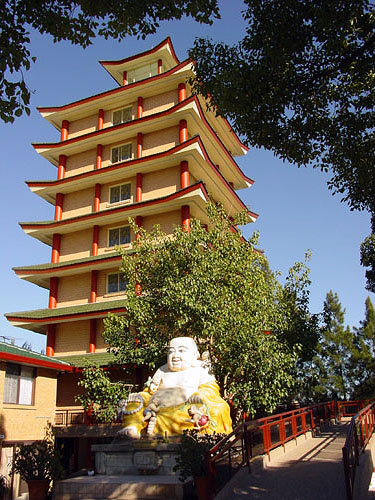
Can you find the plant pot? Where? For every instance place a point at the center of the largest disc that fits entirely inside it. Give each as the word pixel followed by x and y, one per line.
pixel 38 489
pixel 201 485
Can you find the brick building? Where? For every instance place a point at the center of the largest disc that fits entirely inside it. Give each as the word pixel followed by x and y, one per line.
pixel 147 149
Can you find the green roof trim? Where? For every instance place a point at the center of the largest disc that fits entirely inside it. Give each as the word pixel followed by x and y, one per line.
pixel 81 360
pixel 26 353
pixel 67 311
pixel 83 260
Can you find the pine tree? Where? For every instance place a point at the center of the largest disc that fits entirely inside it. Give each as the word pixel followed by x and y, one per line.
pixel 363 359
pixel 337 349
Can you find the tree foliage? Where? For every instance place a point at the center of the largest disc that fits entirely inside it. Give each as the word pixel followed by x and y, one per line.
pixel 301 83
pixel 363 368
pixel 336 350
pixel 79 22
pixel 101 395
pixel 216 287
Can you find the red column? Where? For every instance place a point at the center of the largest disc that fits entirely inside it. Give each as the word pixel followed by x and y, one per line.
pixel 185 217
pixel 53 290
pixel 139 144
pixel 99 156
pixel 138 196
pixel 100 119
pixel 218 167
pixel 181 92
pixel 59 206
pixel 97 198
pixel 51 340
pixel 183 131
pixel 64 130
pixel 92 335
pixel 56 243
pixel 140 107
pixel 184 174
pixel 94 286
pixel 231 185
pixel 95 240
pixel 61 167
pixel 160 66
pixel 124 78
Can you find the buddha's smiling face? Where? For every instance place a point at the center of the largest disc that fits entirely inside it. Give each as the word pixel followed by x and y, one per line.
pixel 182 354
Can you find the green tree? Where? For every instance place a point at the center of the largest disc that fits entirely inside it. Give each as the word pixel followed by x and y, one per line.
pixel 303 328
pixel 216 287
pixel 301 83
pixel 363 360
pixel 101 395
pixel 336 349
pixel 79 22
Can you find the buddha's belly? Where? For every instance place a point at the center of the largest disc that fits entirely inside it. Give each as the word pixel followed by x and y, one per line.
pixel 171 396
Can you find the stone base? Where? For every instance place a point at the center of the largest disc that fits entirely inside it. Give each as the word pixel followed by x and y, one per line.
pixel 119 488
pixel 143 457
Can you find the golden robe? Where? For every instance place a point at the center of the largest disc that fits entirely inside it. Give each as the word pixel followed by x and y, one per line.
pixel 174 420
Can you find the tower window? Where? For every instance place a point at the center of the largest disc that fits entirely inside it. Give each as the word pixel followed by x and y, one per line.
pixel 122 116
pixel 119 236
pixel 120 193
pixel 121 153
pixel 116 283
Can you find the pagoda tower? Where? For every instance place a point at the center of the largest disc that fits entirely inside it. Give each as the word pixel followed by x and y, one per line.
pixel 147 149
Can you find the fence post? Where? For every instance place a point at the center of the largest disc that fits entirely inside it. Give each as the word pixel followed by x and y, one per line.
pixel 348 483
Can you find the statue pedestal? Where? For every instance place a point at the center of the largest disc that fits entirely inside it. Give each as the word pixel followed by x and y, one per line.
pixel 127 470
pixel 143 457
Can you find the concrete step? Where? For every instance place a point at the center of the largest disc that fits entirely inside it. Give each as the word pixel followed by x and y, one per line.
pixel 101 487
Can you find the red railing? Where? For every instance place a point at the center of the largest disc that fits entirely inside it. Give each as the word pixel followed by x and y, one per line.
pixel 351 408
pixel 361 428
pixel 258 437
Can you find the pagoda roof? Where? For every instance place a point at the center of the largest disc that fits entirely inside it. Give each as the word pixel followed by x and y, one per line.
pixel 23 356
pixel 164 50
pixel 93 358
pixel 195 196
pixel 119 96
pixel 193 149
pixel 38 319
pixel 189 109
pixel 40 274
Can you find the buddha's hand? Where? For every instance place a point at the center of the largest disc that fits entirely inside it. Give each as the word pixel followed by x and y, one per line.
pixel 196 399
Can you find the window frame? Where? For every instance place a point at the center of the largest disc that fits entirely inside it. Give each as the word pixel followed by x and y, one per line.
pixel 118 228
pixel 118 291
pixel 126 200
pixel 34 376
pixel 153 71
pixel 119 146
pixel 129 108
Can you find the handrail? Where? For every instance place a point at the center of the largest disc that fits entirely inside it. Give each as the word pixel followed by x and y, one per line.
pixel 252 438
pixel 361 428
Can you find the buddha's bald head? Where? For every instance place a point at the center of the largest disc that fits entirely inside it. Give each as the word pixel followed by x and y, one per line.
pixel 182 353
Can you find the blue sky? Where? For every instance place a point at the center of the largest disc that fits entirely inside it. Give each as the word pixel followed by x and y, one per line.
pixel 297 212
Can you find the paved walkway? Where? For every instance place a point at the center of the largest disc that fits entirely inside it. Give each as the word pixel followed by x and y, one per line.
pixel 313 470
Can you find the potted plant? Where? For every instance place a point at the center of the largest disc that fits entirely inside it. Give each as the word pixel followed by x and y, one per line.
pixel 38 464
pixel 191 459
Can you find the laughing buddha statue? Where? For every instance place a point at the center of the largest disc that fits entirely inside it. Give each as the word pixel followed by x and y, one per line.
pixel 182 394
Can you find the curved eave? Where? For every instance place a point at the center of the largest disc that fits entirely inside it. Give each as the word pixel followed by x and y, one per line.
pixel 38 320
pixel 192 150
pixel 24 360
pixel 190 110
pixel 117 97
pixel 224 130
pixel 40 275
pixel 195 196
pixel 164 50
